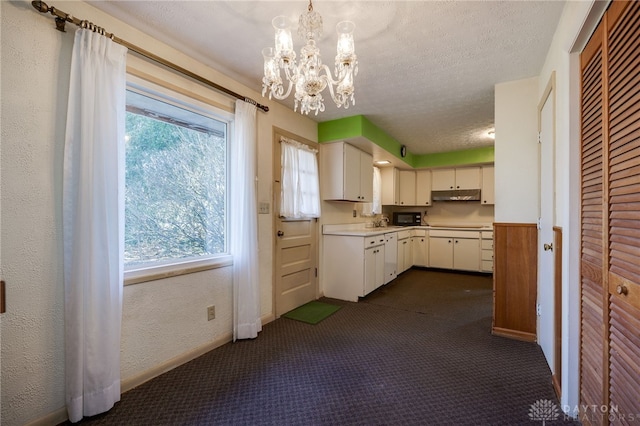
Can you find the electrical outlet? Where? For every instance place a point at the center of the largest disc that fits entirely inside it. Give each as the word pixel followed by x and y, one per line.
pixel 355 213
pixel 211 313
pixel 263 208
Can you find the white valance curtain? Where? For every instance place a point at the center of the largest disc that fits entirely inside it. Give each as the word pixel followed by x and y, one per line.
pixel 93 224
pixel 244 224
pixel 300 184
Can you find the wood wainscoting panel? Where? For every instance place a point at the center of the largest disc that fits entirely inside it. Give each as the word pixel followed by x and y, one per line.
pixel 515 280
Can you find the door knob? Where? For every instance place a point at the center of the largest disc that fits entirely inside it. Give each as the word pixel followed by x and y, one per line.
pixel 622 290
pixel 280 233
pixel 548 247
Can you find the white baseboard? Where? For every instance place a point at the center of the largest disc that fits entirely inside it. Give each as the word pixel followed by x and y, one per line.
pixel 132 382
pixel 55 418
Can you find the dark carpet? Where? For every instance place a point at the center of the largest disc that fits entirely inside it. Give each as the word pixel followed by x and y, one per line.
pixel 415 352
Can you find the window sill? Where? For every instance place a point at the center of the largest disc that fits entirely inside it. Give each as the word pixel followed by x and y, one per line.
pixel 154 273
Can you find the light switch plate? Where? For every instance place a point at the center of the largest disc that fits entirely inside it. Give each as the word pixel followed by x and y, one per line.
pixel 263 208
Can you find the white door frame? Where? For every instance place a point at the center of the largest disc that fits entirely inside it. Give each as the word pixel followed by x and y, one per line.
pixel 547 194
pixel 276 220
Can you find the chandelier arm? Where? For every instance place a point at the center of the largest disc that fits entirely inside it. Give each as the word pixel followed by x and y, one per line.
pixel 329 76
pixel 284 95
pixel 291 73
pixel 330 84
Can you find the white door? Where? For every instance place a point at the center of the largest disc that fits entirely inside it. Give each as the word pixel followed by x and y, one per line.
pixel 296 248
pixel 546 329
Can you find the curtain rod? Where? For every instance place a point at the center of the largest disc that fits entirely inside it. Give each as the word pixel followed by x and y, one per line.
pixel 62 18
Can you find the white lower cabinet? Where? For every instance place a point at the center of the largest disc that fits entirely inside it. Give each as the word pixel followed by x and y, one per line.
pixel 440 252
pixel 458 250
pixel 373 268
pixel 487 251
pixel 390 256
pixel 405 258
pixel 466 254
pixel 420 248
pixel 353 266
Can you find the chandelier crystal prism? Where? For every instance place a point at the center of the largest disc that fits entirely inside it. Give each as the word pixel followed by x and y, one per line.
pixel 309 76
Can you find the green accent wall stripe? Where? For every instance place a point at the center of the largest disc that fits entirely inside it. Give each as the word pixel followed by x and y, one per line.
pixel 359 126
pixel 455 158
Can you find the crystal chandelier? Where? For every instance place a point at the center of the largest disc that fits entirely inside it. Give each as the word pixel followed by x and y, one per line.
pixel 310 76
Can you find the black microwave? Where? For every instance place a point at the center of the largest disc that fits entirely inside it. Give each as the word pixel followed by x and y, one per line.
pixel 407 218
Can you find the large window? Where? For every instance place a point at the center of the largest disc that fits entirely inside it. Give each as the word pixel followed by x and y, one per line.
pixel 176 181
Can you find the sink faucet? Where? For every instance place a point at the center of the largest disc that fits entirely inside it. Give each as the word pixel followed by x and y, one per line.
pixel 380 222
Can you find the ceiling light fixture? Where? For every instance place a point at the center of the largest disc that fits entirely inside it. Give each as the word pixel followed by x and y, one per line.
pixel 307 76
pixel 382 162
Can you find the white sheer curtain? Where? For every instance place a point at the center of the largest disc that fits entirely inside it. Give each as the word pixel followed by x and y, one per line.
pixel 244 225
pixel 93 224
pixel 300 193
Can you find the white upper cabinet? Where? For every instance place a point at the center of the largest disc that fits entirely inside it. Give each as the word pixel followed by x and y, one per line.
pixel 488 186
pixel 390 186
pixel 443 179
pixel 463 178
pixel 346 173
pixel 399 187
pixel 423 187
pixel 366 177
pixel 407 187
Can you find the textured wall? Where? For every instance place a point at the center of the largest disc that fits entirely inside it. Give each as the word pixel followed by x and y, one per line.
pixel 32 89
pixel 516 151
pixel 162 319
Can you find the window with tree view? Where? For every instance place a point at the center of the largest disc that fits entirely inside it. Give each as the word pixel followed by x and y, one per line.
pixel 176 182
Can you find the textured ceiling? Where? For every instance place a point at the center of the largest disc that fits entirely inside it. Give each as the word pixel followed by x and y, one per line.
pixel 427 69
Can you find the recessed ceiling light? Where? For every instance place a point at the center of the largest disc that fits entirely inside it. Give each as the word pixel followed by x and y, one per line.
pixel 382 162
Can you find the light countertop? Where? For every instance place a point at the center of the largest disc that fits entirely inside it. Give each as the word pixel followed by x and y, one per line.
pixel 360 229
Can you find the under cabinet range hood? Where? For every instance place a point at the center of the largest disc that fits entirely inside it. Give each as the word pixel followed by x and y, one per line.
pixel 456 195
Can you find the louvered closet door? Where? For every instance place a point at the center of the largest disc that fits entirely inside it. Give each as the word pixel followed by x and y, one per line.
pixel 624 209
pixel 593 299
